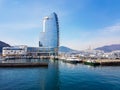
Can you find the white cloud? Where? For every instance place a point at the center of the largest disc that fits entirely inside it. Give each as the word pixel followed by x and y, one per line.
pixel 94 43
pixel 113 28
pixel 96 38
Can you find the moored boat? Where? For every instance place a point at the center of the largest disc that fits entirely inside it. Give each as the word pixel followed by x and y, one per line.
pixel 62 58
pixel 72 60
pixel 92 63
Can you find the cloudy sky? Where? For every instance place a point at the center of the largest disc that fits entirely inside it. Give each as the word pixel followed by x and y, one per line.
pixel 83 23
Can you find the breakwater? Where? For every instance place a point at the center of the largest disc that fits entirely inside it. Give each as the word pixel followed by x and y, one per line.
pixel 104 62
pixel 29 57
pixel 23 64
pixel 96 62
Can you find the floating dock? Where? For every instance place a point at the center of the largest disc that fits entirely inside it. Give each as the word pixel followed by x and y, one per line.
pixel 23 64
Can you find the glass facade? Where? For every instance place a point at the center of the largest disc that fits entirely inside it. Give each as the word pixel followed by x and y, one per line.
pixel 49 37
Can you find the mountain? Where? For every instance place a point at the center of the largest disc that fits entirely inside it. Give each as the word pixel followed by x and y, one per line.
pixel 3 44
pixel 66 49
pixel 109 48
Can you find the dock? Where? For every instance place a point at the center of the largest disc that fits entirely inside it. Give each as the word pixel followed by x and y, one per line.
pixel 109 62
pixel 104 62
pixel 29 57
pixel 23 64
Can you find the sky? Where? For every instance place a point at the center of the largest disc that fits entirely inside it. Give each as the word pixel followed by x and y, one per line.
pixel 83 23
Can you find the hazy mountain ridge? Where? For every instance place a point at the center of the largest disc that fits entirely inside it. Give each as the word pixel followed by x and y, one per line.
pixel 3 44
pixel 109 48
pixel 65 49
pixel 106 48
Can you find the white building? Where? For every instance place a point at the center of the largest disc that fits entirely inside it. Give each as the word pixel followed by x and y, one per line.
pixel 23 50
pixel 92 53
pixel 115 54
pixel 14 50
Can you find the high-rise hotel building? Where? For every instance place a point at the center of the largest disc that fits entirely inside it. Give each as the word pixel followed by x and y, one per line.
pixel 49 37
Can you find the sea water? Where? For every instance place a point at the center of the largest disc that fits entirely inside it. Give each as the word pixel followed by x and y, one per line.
pixel 61 76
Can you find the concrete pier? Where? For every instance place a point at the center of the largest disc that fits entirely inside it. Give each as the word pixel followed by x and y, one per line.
pixel 30 57
pixel 106 62
pixel 109 62
pixel 23 64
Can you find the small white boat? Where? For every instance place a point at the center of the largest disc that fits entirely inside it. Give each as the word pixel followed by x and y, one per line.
pixel 91 61
pixel 62 58
pixel 73 59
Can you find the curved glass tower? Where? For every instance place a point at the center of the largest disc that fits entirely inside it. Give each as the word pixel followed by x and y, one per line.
pixel 49 37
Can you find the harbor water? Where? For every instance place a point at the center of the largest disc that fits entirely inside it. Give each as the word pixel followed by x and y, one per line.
pixel 60 76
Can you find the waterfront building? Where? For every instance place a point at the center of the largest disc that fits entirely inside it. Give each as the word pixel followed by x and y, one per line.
pixel 14 50
pixel 113 54
pixel 92 54
pixel 39 51
pixel 23 51
pixel 116 54
pixel 49 37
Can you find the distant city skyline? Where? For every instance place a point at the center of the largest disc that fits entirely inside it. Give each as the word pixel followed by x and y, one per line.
pixel 82 23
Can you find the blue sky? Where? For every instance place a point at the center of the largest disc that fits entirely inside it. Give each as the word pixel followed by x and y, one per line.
pixel 83 23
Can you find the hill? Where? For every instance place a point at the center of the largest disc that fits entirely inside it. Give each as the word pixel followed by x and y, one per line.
pixel 66 49
pixel 109 48
pixel 3 44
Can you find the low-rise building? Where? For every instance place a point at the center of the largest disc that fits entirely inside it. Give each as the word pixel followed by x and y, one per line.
pixel 40 51
pixel 23 50
pixel 92 54
pixel 14 50
pixel 115 54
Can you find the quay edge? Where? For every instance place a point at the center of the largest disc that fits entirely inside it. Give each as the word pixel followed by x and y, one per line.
pixel 23 64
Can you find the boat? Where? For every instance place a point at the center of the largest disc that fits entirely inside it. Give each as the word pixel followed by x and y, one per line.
pixel 62 58
pixel 91 62
pixel 72 60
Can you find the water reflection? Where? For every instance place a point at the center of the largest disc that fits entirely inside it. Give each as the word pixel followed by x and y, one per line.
pixel 70 65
